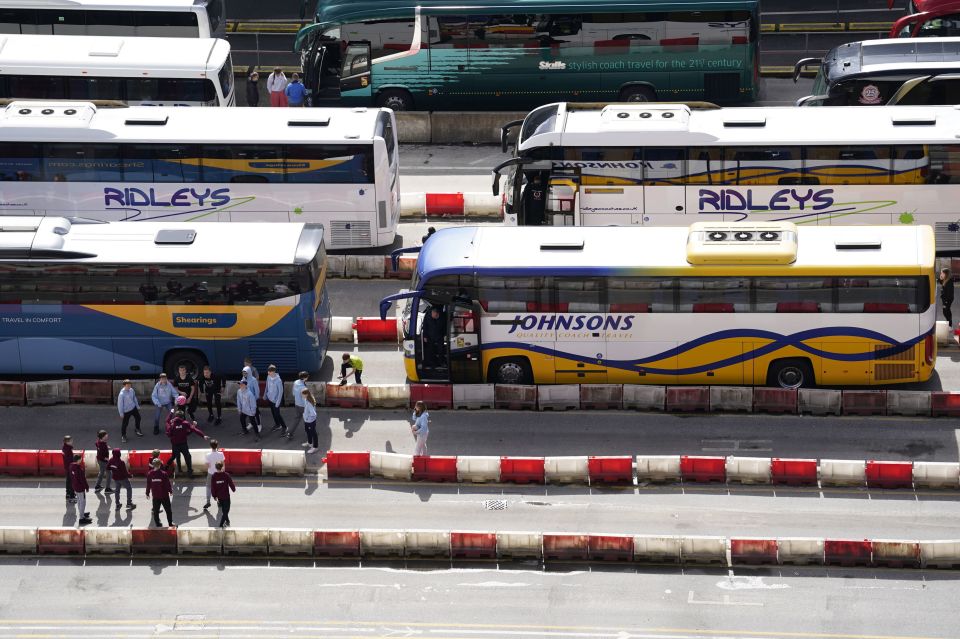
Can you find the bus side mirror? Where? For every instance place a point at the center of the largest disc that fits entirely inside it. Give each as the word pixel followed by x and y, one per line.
pixel 496 183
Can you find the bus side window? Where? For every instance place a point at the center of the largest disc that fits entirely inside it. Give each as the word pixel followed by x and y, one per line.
pixel 762 165
pixel 846 165
pixel 944 164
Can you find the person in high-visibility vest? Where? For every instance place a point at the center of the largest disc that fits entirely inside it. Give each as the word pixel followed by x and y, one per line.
pixel 354 362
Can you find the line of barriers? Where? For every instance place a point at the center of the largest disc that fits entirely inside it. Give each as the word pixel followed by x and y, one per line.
pixel 240 462
pixel 477 545
pixel 627 470
pixel 682 399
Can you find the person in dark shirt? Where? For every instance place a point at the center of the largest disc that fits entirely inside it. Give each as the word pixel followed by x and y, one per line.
pixel 433 332
pixel 946 295
pixel 67 452
pixel 158 483
pixel 211 386
pixel 534 201
pixel 78 477
pixel 221 485
pixel 186 385
pixel 253 89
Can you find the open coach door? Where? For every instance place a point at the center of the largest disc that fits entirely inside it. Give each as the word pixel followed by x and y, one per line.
pixel 355 73
pixel 466 363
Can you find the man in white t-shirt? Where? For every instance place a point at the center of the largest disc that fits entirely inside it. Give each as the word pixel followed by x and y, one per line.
pixel 276 86
pixel 212 458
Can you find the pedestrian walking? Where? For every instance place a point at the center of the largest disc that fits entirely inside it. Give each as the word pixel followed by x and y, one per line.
pixel 78 479
pixel 247 407
pixel 67 452
pixel 214 457
pixel 103 458
pixel 946 295
pixel 187 387
pixel 253 89
pixel 121 479
pixel 276 85
pixel 222 486
pixel 351 361
pixel 274 394
pixel 128 406
pixel 420 428
pixel 179 430
pixel 298 387
pixel 163 396
pixel 310 421
pixel 212 388
pixel 159 485
pixel 295 91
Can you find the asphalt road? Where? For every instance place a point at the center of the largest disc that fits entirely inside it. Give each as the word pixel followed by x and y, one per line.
pixel 205 599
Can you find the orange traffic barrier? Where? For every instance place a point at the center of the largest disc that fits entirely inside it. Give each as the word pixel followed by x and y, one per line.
pixel 610 547
pixel 347 464
pixel 434 468
pixel 153 541
pixel 753 551
pixel 793 472
pixel 705 469
pixel 18 462
pixel 522 470
pixel 433 395
pixel 336 543
pixel 610 470
pixel 889 474
pixel 564 547
pixel 847 552
pixel 243 462
pixel 473 545
pixel 60 541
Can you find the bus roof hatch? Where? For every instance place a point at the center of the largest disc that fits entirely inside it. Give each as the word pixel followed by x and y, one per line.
pixel 732 243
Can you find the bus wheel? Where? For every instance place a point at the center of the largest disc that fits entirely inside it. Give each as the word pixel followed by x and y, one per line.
pixel 790 373
pixel 637 94
pixel 193 360
pixel 395 99
pixel 510 370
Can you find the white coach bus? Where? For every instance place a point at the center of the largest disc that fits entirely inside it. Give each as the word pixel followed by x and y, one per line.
pixel 673 164
pixel 160 18
pixel 338 167
pixel 137 71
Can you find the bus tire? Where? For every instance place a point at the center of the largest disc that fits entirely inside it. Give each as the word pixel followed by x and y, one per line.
pixel 790 373
pixel 193 360
pixel 637 93
pixel 510 370
pixel 396 99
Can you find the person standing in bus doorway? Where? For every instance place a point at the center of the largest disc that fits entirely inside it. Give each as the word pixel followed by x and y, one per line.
pixel 67 452
pixel 433 332
pixel 274 394
pixel 298 387
pixel 534 201
pixel 212 388
pixel 187 387
pixel 214 458
pixel 222 486
pixel 296 93
pixel 351 362
pixel 128 406
pixel 163 396
pixel 253 89
pixel 103 457
pixel 946 295
pixel 78 478
pixel 247 407
pixel 310 421
pixel 420 427
pixel 276 85
pixel 158 483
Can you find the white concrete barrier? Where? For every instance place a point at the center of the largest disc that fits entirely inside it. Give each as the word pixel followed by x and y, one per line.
pixel 388 395
pixel 657 549
pixel 51 392
pixel 936 474
pixel 731 399
pixel 481 204
pixel 107 541
pixel 336 265
pixel 944 334
pixel 291 541
pixel 748 470
pixel 473 396
pixel 382 543
pixel 478 469
pixel 391 465
pixel 199 458
pixel 341 329
pixel 658 468
pixel 286 463
pixel 941 553
pixel 896 552
pixel 142 387
pixel 566 470
pixel 520 544
pixel 900 402
pixel 702 549
pixel 200 541
pixel 246 541
pixel 558 397
pixel 820 401
pixel 229 397
pixel 413 204
pixel 843 472
pixel 18 540
pixel 641 397
pixel 319 391
pixel 90 466
pixel 427 543
pixel 800 550
pixel 364 266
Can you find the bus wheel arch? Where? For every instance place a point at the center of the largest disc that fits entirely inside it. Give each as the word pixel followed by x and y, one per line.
pixel 637 93
pixel 510 370
pixel 791 372
pixel 396 99
pixel 193 359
